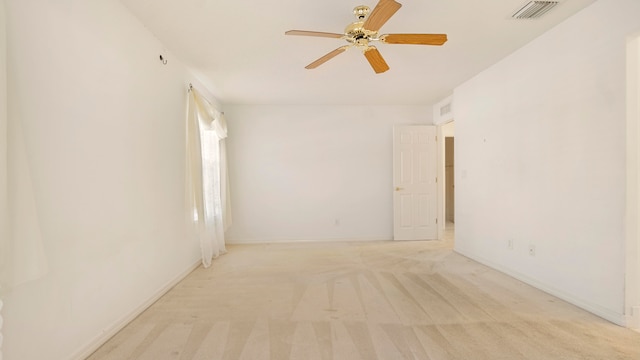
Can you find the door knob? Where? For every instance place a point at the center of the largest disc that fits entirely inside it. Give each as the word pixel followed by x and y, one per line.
pixel 399 188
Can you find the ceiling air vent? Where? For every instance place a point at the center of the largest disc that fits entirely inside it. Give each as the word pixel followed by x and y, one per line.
pixel 534 9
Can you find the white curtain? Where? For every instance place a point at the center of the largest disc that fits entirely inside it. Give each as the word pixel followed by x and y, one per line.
pixel 22 255
pixel 207 177
pixel 4 210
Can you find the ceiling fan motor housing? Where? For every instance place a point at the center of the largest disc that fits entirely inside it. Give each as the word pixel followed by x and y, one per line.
pixel 356 34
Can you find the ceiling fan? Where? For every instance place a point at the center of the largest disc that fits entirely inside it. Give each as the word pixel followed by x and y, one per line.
pixel 362 32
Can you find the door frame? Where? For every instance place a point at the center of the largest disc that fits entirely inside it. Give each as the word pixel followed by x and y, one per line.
pixel 632 221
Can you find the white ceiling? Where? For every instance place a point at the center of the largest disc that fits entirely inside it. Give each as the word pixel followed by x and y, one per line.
pixel 239 46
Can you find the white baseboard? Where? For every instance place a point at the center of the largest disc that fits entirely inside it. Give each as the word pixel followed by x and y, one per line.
pixel 118 325
pixel 607 314
pixel 298 240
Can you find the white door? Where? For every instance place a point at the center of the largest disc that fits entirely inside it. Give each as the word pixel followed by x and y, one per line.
pixel 414 182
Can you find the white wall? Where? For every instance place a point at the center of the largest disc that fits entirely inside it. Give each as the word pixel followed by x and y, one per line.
pixel 448 129
pixel 540 159
pixel 101 120
pixel 313 172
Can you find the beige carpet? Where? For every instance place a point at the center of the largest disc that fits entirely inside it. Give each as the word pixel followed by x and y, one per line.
pixel 383 300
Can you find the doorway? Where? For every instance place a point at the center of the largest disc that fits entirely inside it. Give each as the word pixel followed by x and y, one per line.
pixel 447 185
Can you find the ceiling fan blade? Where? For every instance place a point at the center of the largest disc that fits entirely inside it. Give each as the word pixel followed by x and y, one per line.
pixel 415 39
pixel 327 57
pixel 313 33
pixel 376 60
pixel 380 14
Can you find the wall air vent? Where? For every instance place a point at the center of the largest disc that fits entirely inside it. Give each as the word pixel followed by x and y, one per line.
pixel 534 9
pixel 443 111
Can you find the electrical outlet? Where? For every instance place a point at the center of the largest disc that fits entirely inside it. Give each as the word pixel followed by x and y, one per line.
pixel 532 250
pixel 510 244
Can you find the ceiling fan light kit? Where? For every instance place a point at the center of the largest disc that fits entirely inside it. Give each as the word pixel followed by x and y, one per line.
pixel 362 32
